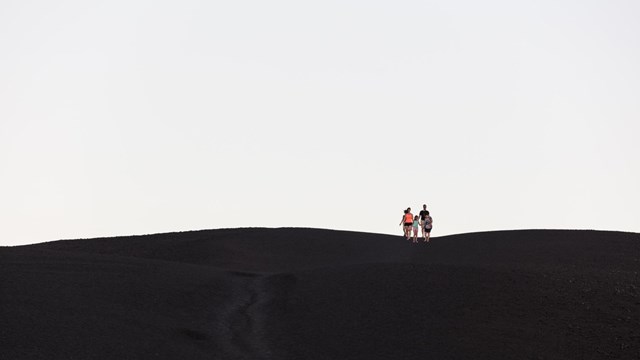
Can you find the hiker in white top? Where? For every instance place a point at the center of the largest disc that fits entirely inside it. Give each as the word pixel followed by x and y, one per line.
pixel 428 225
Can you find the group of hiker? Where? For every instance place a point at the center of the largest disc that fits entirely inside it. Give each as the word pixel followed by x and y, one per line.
pixel 422 221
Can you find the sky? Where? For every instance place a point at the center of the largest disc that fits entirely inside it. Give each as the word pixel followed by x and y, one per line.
pixel 137 117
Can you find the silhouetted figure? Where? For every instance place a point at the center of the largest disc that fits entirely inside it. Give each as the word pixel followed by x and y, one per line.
pixel 423 213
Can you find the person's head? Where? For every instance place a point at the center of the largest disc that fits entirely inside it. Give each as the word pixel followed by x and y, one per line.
pixel 408 209
pixel 416 217
pixel 424 206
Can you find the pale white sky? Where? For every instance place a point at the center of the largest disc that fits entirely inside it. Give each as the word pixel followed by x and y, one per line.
pixel 136 117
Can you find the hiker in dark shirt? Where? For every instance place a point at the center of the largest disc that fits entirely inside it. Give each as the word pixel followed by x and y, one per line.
pixel 423 214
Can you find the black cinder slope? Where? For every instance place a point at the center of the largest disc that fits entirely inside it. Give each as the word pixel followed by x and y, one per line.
pixel 253 250
pixel 321 294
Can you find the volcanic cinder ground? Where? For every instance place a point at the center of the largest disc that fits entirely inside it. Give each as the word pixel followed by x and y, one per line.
pixel 320 294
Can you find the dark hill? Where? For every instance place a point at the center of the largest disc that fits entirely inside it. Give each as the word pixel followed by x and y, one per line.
pixel 321 294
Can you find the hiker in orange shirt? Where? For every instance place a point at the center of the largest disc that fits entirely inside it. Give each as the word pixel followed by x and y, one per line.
pixel 407 221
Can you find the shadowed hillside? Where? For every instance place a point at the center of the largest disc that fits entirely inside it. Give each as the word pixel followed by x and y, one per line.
pixel 321 294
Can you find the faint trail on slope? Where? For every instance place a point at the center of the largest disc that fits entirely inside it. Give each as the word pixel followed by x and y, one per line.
pixel 244 321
